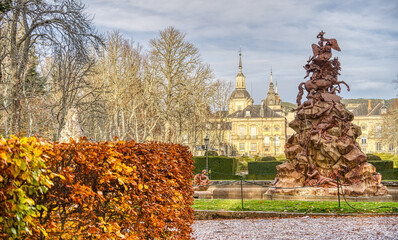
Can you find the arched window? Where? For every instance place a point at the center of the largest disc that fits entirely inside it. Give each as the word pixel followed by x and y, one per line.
pixel 378 131
pixel 277 141
pixel 364 140
pixel 266 141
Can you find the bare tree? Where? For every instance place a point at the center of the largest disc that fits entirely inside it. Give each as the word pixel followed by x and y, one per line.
pixel 181 76
pixel 128 88
pixel 390 124
pixel 30 26
pixel 221 90
pixel 68 86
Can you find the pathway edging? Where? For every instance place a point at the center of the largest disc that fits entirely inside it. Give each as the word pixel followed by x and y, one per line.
pixel 223 214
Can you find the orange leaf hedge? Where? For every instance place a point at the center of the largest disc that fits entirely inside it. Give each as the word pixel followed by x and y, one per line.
pixel 120 190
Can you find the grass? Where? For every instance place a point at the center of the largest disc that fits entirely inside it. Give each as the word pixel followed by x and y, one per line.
pixel 295 206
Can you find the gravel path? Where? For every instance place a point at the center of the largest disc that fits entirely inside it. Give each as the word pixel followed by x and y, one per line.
pixel 299 228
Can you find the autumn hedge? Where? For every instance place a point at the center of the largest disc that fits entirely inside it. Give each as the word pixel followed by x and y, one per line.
pixel 120 190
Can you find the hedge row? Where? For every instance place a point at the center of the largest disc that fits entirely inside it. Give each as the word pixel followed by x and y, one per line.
pixel 372 157
pixel 263 168
pixel 104 190
pixel 221 167
pixel 267 169
pixel 23 174
pixel 382 165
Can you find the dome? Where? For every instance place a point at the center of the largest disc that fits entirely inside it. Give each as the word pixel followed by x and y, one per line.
pixel 240 93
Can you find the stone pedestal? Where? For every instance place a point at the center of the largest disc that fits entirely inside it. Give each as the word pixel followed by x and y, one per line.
pixel 271 196
pixel 203 195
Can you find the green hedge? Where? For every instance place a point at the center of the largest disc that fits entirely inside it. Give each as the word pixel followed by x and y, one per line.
pixel 221 167
pixel 383 165
pixel 372 157
pixel 268 158
pixel 260 177
pixel 389 174
pixel 263 168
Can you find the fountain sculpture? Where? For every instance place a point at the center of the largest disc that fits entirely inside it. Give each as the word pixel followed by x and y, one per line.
pixel 324 146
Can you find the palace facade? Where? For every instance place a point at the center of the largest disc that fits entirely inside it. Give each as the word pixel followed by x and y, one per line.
pixel 251 129
pixel 262 130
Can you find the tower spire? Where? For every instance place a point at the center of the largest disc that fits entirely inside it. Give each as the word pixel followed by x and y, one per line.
pixel 240 78
pixel 240 60
pixel 271 76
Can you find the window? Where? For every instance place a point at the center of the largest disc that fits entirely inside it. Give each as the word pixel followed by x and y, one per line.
pixel 241 146
pixel 218 126
pixel 277 149
pixel 391 148
pixel 253 147
pixel 266 129
pixel 185 138
pixel 363 140
pixel 239 107
pixel 277 129
pixel 266 141
pixel 253 132
pixel 363 127
pixel 277 141
pixel 378 147
pixel 378 131
pixel 266 149
pixel 363 149
pixel 241 132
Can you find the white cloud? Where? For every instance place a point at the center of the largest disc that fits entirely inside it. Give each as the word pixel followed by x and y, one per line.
pixel 271 33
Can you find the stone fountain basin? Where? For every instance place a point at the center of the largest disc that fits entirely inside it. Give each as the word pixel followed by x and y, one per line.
pixel 222 190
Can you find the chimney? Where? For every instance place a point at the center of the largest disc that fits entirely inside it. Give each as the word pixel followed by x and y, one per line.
pixel 383 109
pixel 369 105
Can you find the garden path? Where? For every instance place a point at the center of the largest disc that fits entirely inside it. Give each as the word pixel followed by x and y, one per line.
pixel 363 227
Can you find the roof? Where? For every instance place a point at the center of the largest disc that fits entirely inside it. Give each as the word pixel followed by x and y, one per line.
pixel 240 93
pixel 361 108
pixel 255 111
pixel 220 114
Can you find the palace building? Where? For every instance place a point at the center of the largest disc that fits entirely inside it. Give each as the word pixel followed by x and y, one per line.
pixel 368 114
pixel 262 130
pixel 255 129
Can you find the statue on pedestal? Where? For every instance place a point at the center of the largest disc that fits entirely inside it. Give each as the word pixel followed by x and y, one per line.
pixel 201 181
pixel 72 127
pixel 324 146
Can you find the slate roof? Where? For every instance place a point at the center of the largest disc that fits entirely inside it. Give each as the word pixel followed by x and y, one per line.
pixel 240 93
pixel 255 111
pixel 376 107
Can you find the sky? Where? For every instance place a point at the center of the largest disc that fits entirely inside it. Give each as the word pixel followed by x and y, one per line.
pixel 273 35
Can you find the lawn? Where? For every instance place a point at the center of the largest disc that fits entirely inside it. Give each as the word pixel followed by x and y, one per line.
pixel 295 206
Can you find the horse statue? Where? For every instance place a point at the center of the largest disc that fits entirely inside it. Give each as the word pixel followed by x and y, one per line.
pixel 324 71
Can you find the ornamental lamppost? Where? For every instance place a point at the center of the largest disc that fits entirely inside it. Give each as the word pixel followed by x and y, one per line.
pixel 206 147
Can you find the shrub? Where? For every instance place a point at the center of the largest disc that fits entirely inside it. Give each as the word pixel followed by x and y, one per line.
pixel 221 167
pixel 263 168
pixel 23 176
pixel 260 177
pixel 280 157
pixel 382 165
pixel 212 153
pixel 120 190
pixel 268 158
pixel 372 157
